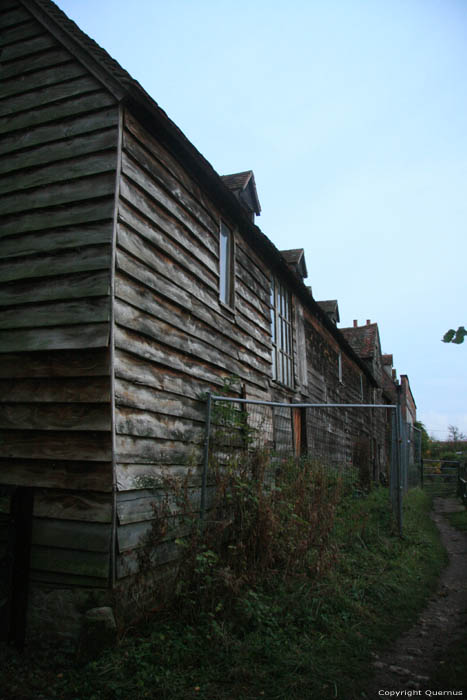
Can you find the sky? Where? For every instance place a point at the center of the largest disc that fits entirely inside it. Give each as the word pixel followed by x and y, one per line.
pixel 352 115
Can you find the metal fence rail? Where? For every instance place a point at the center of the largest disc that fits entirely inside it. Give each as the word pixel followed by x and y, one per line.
pixel 356 441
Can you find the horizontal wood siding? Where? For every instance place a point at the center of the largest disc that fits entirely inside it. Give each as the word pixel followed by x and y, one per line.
pixel 174 340
pixel 58 139
pixel 58 154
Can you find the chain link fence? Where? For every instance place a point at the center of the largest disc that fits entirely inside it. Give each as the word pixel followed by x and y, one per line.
pixel 358 444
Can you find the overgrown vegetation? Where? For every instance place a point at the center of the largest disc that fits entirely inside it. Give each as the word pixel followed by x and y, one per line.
pixel 287 623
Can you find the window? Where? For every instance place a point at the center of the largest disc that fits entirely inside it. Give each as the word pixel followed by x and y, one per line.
pixel 225 265
pixel 339 366
pixel 281 334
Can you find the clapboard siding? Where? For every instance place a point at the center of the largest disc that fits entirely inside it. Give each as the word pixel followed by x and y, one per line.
pixel 59 135
pixel 51 177
pixel 174 340
pixel 57 473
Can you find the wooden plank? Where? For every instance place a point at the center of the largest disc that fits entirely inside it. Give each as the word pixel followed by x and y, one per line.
pixel 163 232
pixel 58 363
pixel 51 416
pixel 135 475
pixel 66 505
pixel 13 17
pixel 147 276
pixel 21 32
pixel 87 284
pixel 28 47
pixel 190 347
pixel 260 306
pixel 142 371
pixel 153 192
pixel 57 151
pixel 176 318
pixel 56 390
pixel 156 452
pixel 249 281
pixel 70 561
pixel 62 172
pixel 72 213
pixel 173 361
pixel 47 76
pixel 73 475
pixel 170 163
pixel 22 66
pixel 73 127
pixel 68 580
pixel 61 193
pixel 257 340
pixel 56 313
pixel 71 534
pixel 46 241
pixel 45 95
pixel 250 262
pixel 129 563
pixel 8 4
pixel 149 507
pixel 143 534
pixel 137 422
pixel 55 445
pixel 67 338
pixel 70 261
pixel 250 313
pixel 162 333
pixel 133 395
pixel 157 172
pixel 92 100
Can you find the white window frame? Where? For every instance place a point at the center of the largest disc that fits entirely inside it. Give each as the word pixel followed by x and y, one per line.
pixel 281 333
pixel 226 265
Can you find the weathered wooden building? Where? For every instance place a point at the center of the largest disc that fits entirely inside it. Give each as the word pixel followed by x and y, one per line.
pixel 132 280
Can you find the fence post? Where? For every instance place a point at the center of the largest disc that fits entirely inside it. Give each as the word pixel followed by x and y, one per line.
pixel 399 458
pixel 421 472
pixel 207 439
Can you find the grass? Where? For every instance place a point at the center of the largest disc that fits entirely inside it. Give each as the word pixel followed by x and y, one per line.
pixel 458 520
pixel 284 638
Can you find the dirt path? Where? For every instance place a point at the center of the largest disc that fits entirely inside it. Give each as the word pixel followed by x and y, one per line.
pixel 407 665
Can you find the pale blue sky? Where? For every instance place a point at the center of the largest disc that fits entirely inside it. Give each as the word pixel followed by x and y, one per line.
pixel 352 115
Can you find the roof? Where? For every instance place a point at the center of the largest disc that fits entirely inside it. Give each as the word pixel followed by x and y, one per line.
pixel 127 90
pixel 330 306
pixel 243 184
pixel 237 181
pixel 295 257
pixel 363 339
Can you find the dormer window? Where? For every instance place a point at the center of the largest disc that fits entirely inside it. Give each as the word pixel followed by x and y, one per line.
pixel 244 188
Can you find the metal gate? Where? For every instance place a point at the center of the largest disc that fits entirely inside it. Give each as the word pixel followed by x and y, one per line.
pixel 440 477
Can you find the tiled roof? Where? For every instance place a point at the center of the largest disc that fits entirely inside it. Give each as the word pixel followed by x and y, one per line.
pixel 295 257
pixel 329 306
pixel 71 28
pixel 362 339
pixel 237 181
